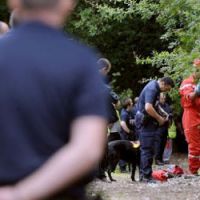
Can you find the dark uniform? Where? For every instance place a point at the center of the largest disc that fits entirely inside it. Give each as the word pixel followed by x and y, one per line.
pixel 46 81
pixel 134 127
pixel 161 134
pixel 148 127
pixel 126 117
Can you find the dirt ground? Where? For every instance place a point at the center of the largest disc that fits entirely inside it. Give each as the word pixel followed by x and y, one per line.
pixel 186 187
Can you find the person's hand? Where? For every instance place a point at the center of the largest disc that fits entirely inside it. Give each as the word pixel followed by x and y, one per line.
pixel 132 121
pixel 8 193
pixel 131 132
pixel 161 121
pixel 190 96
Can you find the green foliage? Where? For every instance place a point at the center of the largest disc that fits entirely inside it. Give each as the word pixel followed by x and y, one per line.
pixel 3 11
pixel 126 93
pixel 181 21
pixel 121 30
pixel 143 39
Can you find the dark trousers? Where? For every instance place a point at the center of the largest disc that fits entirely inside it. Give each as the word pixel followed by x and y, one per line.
pixel 160 142
pixel 147 140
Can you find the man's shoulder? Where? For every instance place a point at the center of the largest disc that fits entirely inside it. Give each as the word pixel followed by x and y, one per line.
pixel 153 84
pixel 151 87
pixel 62 46
pixel 46 35
pixel 77 49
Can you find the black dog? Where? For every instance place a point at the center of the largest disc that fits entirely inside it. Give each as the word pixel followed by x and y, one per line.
pixel 103 165
pixel 122 150
pixel 113 136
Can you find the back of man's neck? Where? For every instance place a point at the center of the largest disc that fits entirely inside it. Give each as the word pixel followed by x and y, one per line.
pixel 47 18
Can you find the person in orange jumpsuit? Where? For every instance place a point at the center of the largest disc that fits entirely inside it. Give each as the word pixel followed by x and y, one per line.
pixel 190 102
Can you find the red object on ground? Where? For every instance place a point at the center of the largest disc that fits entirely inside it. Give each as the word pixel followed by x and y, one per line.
pixel 160 175
pixel 163 175
pixel 176 170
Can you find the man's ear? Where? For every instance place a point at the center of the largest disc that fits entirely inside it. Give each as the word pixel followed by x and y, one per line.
pixel 13 4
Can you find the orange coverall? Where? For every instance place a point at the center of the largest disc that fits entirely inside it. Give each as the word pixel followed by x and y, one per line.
pixel 191 122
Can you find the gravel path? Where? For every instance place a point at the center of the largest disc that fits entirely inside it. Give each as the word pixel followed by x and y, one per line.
pixel 182 188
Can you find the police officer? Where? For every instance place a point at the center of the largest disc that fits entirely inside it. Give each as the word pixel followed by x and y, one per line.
pixel 162 132
pixel 149 121
pixel 104 67
pixel 126 132
pixel 132 121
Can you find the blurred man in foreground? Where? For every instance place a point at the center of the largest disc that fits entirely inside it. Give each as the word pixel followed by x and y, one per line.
pixel 53 106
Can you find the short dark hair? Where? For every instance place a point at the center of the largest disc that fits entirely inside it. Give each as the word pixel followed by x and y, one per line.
pixel 126 102
pixel 38 4
pixel 167 81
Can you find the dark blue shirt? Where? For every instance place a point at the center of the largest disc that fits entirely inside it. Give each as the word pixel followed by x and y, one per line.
pixel 133 111
pixel 166 107
pixel 149 94
pixel 47 80
pixel 125 116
